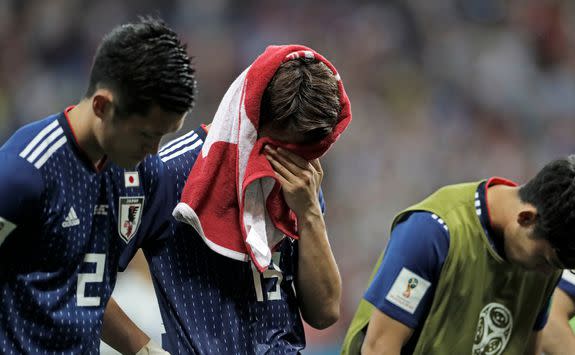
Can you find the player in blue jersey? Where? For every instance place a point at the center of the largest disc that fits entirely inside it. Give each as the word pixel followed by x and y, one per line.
pixel 558 335
pixel 211 304
pixel 74 196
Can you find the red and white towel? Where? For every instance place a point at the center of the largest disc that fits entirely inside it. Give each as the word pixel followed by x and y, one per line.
pixel 231 196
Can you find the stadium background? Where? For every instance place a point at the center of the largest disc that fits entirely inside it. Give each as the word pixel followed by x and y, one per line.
pixel 442 91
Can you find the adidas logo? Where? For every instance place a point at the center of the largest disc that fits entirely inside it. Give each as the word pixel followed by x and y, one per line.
pixel 71 220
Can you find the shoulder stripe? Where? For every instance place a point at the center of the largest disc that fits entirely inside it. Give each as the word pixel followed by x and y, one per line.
pixel 440 221
pixel 179 145
pixel 50 151
pixel 38 138
pixel 568 276
pixel 182 151
pixel 172 142
pixel 45 143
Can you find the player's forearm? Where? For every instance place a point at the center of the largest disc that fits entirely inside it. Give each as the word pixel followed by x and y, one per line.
pixel 318 280
pixel 120 332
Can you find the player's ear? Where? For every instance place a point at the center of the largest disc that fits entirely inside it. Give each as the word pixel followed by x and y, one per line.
pixel 527 216
pixel 102 104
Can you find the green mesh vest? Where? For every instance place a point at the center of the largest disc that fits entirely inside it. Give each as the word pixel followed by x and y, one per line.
pixel 482 304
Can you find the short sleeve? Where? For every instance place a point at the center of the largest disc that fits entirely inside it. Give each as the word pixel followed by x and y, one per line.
pixel 20 190
pixel 405 282
pixel 176 158
pixel 567 283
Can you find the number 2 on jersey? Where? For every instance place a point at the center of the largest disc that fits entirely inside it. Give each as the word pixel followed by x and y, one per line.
pixel 96 276
pixel 267 275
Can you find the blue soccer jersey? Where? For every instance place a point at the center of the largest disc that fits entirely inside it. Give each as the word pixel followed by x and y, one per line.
pixel 63 229
pixel 211 304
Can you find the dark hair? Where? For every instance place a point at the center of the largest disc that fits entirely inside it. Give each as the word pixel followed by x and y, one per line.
pixel 144 64
pixel 303 97
pixel 552 192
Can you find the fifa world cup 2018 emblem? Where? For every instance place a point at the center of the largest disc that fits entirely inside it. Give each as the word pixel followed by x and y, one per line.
pixel 411 284
pixel 493 330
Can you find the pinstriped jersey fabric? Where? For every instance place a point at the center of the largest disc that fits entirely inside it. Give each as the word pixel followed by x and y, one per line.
pixel 211 304
pixel 63 228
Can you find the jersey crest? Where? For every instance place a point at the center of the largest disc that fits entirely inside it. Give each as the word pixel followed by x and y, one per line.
pixel 129 216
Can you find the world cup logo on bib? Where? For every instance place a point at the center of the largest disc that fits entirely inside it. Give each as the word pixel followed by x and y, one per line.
pixel 493 330
pixel 411 284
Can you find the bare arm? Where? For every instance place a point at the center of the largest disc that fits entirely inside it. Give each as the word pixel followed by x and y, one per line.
pixel 385 335
pixel 120 332
pixel 558 338
pixel 318 281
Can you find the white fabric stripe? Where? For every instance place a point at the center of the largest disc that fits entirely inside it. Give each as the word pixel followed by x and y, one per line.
pixel 179 145
pixel 439 220
pixel 232 254
pixel 49 152
pixel 172 142
pixel 37 139
pixel 42 146
pixel 182 151
pixel 184 213
pixel 568 276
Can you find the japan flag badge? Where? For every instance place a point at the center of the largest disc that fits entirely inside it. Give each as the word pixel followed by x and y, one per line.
pixel 131 179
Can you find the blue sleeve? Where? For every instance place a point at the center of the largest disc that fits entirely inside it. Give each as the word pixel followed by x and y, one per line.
pixel 405 282
pixel 161 195
pixel 567 283
pixel 177 158
pixel 543 314
pixel 21 188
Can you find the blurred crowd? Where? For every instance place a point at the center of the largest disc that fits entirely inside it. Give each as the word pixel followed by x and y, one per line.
pixel 442 91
